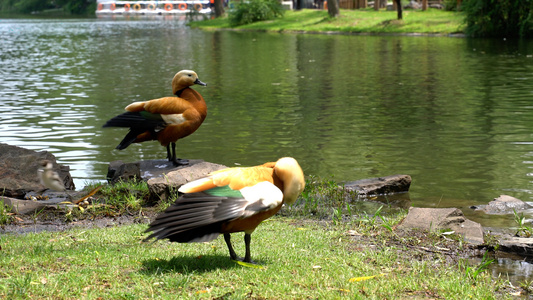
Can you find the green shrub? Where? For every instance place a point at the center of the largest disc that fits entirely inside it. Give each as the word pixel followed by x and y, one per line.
pixel 28 6
pixel 450 5
pixel 254 11
pixel 75 7
pixel 498 18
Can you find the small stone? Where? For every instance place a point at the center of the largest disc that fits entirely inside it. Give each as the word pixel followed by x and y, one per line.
pixel 504 205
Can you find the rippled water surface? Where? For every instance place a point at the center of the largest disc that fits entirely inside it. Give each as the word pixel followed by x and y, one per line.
pixel 455 114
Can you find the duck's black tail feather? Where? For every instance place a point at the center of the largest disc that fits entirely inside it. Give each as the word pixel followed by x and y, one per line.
pixel 137 124
pixel 129 139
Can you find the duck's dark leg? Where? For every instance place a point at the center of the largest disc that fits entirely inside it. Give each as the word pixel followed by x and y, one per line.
pixel 169 155
pixel 232 253
pixel 172 156
pixel 247 240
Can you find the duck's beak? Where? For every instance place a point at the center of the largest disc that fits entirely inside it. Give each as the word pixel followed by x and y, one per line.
pixel 197 81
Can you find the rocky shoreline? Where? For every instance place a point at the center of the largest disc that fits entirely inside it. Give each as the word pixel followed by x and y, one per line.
pixel 22 190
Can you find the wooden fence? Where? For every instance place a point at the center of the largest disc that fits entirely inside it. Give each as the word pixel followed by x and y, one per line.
pixel 353 4
pixel 357 4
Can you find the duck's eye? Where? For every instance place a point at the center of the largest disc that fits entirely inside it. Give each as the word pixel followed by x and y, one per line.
pixel 190 75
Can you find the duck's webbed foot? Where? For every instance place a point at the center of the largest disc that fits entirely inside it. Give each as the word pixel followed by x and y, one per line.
pixel 171 155
pixel 179 162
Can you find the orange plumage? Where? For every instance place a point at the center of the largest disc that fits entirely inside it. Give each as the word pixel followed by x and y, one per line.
pixel 234 178
pixel 166 119
pixel 228 201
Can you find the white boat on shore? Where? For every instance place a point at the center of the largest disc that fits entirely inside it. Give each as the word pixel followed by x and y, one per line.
pixel 109 7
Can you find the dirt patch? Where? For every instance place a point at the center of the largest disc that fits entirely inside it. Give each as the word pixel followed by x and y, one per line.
pixel 413 244
pixel 52 220
pixel 392 23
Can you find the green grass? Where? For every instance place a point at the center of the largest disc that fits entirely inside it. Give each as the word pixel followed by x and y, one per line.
pixel 124 196
pixel 6 216
pixel 112 200
pixel 297 260
pixel 432 21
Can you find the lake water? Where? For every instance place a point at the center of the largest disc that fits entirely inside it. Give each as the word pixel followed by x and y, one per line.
pixel 455 114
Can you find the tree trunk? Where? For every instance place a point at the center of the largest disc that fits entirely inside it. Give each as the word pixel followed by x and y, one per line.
pixel 399 6
pixel 219 8
pixel 424 4
pixel 333 8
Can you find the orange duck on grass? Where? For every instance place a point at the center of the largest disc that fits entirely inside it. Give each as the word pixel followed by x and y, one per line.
pixel 230 200
pixel 166 119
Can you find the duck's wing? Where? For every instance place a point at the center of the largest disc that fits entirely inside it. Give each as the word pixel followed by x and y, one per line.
pixel 195 217
pixel 175 112
pixel 199 216
pixel 136 120
pixel 164 106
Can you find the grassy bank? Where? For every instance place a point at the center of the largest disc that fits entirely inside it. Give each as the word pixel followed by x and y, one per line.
pixel 432 21
pixel 323 248
pixel 297 259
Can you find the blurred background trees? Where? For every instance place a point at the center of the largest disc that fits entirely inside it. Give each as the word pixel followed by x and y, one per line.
pixel 498 18
pixel 76 7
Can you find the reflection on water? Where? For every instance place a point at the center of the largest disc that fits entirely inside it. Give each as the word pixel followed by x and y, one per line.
pixel 455 114
pixel 517 269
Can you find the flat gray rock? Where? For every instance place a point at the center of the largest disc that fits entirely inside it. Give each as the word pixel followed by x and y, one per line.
pixel 518 245
pixel 380 186
pixel 28 206
pixel 162 176
pixel 167 183
pixel 147 169
pixel 444 218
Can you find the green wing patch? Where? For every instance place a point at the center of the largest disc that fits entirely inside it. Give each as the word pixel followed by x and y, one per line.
pixel 151 116
pixel 224 191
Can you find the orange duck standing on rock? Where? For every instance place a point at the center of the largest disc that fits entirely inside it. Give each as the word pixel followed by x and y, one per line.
pixel 230 200
pixel 166 119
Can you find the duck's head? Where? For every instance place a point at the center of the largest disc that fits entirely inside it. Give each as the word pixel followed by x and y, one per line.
pixel 290 172
pixel 184 79
pixel 46 164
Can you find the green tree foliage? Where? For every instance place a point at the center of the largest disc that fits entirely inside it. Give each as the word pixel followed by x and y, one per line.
pixel 498 18
pixel 254 11
pixel 24 6
pixel 28 6
pixel 77 7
